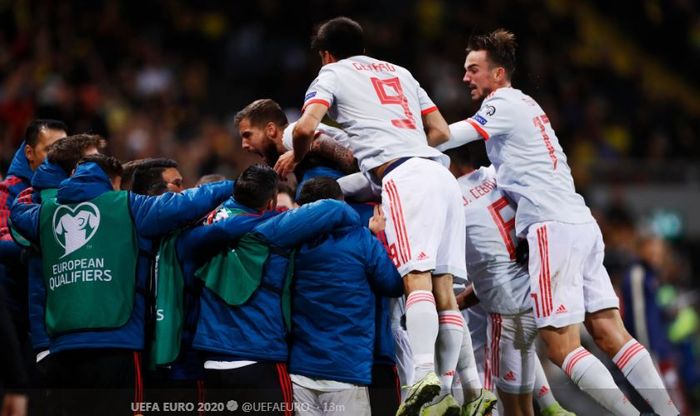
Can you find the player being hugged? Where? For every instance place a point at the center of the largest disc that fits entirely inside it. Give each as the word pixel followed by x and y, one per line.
pixel 392 123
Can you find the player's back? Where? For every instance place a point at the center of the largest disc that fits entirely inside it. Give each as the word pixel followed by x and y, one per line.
pixel 502 285
pixel 379 105
pixel 532 167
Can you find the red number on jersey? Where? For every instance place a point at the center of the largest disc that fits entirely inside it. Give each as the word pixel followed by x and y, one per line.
pixel 539 122
pixel 504 227
pixel 398 99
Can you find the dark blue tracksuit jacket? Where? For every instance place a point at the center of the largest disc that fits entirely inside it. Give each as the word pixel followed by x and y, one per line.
pixel 153 217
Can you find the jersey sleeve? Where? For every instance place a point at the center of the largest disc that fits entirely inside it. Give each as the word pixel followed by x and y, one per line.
pixel 427 105
pixel 493 118
pixel 461 133
pixel 287 139
pixel 322 89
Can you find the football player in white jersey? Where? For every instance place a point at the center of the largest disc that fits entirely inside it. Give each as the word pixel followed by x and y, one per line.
pixel 391 121
pixel 265 131
pixel 502 286
pixel 569 283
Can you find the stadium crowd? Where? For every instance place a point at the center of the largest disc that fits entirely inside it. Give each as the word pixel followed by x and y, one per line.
pixel 170 100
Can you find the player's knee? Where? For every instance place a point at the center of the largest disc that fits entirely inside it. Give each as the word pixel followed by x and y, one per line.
pixel 560 342
pixel 417 281
pixel 608 332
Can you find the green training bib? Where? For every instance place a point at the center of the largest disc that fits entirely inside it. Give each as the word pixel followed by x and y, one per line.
pixel 89 254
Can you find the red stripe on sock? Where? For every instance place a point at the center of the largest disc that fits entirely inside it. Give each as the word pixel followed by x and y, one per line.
pixel 575 359
pixel 627 356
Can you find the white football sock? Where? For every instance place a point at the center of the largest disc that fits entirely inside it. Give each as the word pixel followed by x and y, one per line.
pixel 467 368
pixel 449 342
pixel 542 391
pixel 591 376
pixel 635 363
pixel 422 330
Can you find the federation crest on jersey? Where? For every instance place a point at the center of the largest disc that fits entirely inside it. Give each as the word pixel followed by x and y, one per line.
pixel 74 227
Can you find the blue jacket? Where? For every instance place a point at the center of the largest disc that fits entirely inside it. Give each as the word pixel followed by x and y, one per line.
pixel 47 176
pixel 152 216
pixel 333 315
pixel 256 330
pixel 384 348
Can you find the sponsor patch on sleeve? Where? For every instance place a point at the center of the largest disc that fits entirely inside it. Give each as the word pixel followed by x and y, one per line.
pixel 479 119
pixel 309 96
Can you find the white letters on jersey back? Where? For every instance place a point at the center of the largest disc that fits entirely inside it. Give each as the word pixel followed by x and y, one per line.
pixel 502 285
pixel 379 105
pixel 531 166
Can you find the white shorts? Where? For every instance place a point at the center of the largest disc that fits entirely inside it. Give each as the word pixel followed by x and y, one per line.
pixel 425 227
pixel 310 401
pixel 510 354
pixel 567 276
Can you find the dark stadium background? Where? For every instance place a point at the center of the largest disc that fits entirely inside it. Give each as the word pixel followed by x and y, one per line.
pixel 618 81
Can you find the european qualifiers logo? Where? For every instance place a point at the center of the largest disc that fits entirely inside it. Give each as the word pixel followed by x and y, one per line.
pixel 74 227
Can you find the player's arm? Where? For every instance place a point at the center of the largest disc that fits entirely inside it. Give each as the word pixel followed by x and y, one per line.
pixel 436 129
pixel 467 298
pixel 327 148
pixel 461 133
pixel 302 136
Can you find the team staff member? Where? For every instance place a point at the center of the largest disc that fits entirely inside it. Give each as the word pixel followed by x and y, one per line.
pixel 336 276
pixel 95 265
pixel 62 157
pixel 39 135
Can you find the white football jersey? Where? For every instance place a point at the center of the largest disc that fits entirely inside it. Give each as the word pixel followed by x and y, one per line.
pixel 333 132
pixel 530 164
pixel 379 105
pixel 501 284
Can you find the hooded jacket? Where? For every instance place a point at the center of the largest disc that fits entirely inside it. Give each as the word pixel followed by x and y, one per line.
pixel 338 277
pixel 256 330
pixel 152 217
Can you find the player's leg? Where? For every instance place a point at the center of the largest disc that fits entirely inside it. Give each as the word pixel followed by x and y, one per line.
pixel 556 283
pixel 451 330
pixel 514 355
pixel 631 358
pixel 421 322
pixel 605 325
pixel 548 404
pixel 468 367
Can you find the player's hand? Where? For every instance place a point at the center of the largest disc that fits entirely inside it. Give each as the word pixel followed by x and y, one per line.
pixel 466 298
pixel 286 164
pixel 378 221
pixel 522 252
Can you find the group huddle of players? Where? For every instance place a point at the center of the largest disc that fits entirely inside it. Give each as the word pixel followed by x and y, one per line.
pixel 404 263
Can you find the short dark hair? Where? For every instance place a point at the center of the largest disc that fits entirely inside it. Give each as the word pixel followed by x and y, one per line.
pixel 260 112
pixel 109 164
pixel 128 173
pixel 320 187
pixel 255 186
pixel 67 152
pixel 147 176
pixel 500 47
pixel 286 188
pixel 31 135
pixel 212 177
pixel 461 156
pixel 341 36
